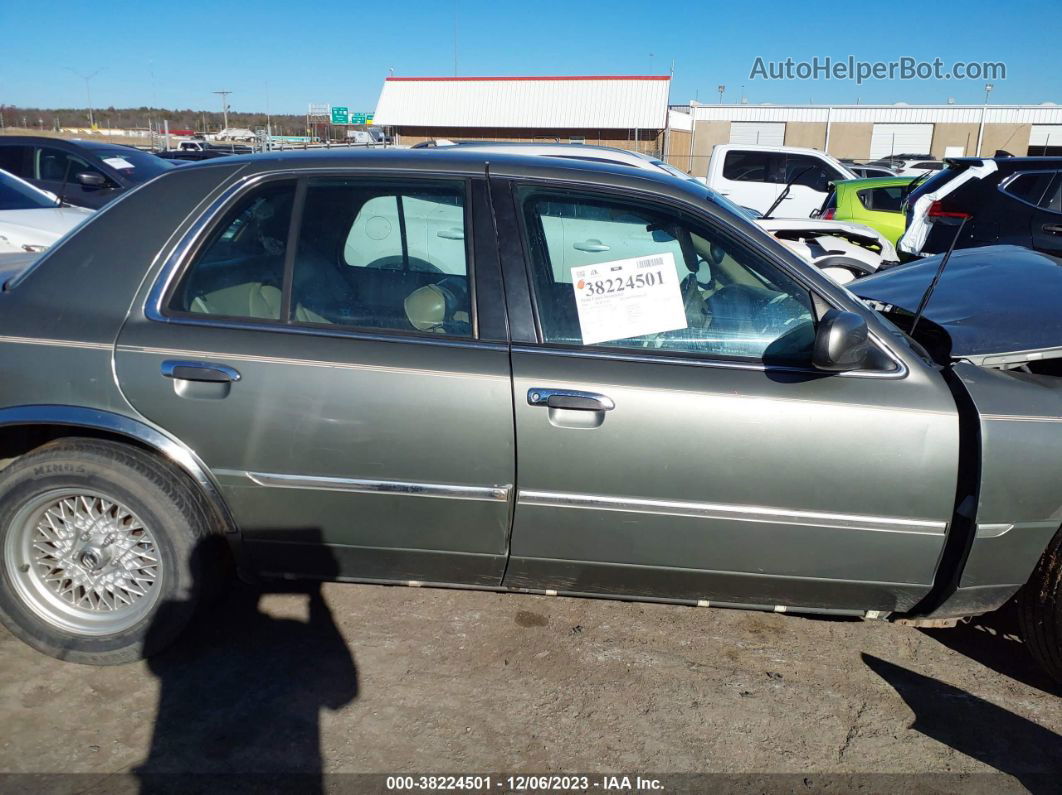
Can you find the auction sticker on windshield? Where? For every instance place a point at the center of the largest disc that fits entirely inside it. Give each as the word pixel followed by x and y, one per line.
pixel 628 298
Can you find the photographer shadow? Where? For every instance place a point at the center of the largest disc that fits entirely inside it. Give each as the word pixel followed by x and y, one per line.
pixel 241 693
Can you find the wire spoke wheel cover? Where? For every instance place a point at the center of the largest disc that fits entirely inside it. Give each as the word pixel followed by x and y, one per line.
pixel 83 562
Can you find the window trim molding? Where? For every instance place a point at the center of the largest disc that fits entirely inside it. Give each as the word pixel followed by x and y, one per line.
pixel 182 255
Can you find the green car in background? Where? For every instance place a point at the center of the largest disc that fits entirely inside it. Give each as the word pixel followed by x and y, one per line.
pixel 875 202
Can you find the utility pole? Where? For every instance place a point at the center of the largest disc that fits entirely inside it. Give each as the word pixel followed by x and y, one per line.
pixel 88 91
pixel 981 127
pixel 224 107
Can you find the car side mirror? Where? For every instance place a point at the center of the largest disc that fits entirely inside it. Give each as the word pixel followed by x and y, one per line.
pixel 842 342
pixel 90 179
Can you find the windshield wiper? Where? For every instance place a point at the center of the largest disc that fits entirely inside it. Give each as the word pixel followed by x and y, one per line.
pixel 785 191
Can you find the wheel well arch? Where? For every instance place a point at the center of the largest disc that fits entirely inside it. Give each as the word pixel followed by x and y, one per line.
pixel 25 428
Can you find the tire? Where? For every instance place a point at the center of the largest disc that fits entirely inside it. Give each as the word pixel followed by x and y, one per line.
pixel 1040 610
pixel 81 521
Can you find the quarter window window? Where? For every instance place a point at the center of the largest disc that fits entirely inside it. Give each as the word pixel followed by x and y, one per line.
pixel 706 294
pixel 887 200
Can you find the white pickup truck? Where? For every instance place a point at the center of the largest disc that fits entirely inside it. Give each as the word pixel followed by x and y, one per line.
pixel 754 176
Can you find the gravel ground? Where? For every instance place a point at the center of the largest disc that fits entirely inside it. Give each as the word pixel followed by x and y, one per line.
pixel 350 678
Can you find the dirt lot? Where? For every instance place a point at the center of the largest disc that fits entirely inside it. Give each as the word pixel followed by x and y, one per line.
pixel 349 678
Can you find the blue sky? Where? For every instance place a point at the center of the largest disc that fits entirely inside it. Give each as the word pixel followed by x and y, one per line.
pixel 286 54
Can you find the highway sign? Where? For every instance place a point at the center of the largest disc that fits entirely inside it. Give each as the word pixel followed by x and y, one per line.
pixel 340 115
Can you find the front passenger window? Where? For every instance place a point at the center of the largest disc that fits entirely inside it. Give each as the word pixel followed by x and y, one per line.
pixel 619 274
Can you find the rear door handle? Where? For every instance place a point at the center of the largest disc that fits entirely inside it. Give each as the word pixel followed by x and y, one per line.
pixel 569 399
pixel 1053 229
pixel 199 371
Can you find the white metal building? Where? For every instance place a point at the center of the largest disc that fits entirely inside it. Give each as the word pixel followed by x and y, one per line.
pixel 606 109
pixel 874 131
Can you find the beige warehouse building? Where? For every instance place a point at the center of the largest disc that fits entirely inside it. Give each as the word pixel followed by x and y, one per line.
pixel 865 132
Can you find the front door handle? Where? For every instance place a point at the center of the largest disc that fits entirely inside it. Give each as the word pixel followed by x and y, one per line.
pixel 569 399
pixel 592 245
pixel 1053 229
pixel 199 371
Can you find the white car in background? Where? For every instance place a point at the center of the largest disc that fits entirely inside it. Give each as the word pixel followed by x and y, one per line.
pixel 31 219
pixel 755 176
pixel 842 250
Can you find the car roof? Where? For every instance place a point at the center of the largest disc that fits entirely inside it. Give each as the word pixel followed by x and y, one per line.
pixel 461 159
pixel 23 140
pixel 1009 163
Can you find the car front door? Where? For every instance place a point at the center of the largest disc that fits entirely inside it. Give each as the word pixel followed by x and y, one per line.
pixel 351 396
pixel 57 170
pixel 701 457
pixel 810 177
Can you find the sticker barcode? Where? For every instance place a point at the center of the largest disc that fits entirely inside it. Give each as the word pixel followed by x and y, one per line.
pixel 650 262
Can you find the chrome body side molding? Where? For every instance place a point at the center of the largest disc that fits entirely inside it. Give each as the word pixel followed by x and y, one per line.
pixel 364 486
pixel 740 513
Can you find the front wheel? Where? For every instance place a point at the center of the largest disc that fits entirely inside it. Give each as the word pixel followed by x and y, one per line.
pixel 104 551
pixel 1040 610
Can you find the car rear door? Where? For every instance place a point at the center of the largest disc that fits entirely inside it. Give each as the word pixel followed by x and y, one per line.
pixel 706 460
pixel 351 396
pixel 748 177
pixel 1047 220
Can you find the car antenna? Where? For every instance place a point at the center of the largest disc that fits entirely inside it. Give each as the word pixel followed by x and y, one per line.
pixel 940 272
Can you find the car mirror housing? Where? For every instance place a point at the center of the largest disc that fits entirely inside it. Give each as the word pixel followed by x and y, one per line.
pixel 91 179
pixel 842 342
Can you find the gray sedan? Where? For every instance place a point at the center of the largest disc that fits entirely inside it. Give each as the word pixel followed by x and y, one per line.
pixel 509 373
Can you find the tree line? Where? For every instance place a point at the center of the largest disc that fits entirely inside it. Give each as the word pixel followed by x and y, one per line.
pixel 144 117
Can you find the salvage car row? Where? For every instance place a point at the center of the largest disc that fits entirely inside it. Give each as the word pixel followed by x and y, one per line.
pixel 517 372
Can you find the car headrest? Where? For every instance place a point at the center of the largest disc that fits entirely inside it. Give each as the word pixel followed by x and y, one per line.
pixel 430 307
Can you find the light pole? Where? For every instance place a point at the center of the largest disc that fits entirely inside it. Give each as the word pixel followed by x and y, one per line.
pixel 720 88
pixel 88 91
pixel 984 110
pixel 224 107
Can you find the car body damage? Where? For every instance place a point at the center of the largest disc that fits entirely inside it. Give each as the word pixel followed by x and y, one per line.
pixel 995 306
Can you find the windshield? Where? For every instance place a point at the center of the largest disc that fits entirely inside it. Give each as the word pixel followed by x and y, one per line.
pixel 133 164
pixel 17 195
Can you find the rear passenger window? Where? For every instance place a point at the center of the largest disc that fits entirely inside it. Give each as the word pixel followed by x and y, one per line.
pixel 239 272
pixel 383 256
pixel 1052 200
pixel 1029 187
pixel 746 166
